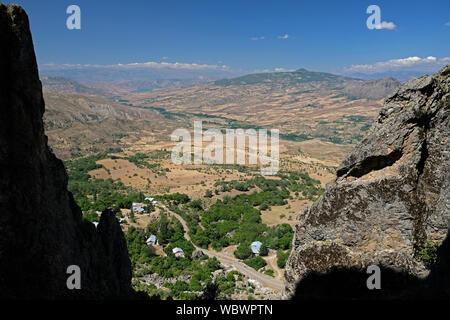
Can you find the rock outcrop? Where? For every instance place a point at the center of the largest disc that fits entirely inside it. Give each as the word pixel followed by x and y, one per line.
pixel 390 197
pixel 42 232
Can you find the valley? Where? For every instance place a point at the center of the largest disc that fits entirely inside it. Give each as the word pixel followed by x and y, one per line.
pixel 117 149
pixel 160 152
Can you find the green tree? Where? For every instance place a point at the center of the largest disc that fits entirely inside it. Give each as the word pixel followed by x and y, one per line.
pixel 256 263
pixel 282 258
pixel 208 194
pixel 263 251
pixel 243 251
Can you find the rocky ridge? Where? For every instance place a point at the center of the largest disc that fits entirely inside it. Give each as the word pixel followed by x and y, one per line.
pixel 391 196
pixel 42 232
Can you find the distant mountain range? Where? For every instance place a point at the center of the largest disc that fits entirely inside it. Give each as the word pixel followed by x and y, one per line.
pixel 371 89
pixel 173 75
pixel 85 117
pixel 142 71
pixel 288 78
pixel 67 85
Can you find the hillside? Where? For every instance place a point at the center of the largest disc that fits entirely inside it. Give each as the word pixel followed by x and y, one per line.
pixel 79 124
pixel 284 78
pixel 110 89
pixel 309 108
pixel 372 89
pixel 303 105
pixel 65 85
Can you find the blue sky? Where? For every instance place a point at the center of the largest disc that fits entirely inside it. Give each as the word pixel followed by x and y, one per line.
pixel 321 35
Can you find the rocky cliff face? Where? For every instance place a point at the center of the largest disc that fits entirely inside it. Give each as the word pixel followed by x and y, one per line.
pixel 390 196
pixel 41 227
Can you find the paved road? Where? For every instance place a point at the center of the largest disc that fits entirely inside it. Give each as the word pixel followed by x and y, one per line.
pixel 264 280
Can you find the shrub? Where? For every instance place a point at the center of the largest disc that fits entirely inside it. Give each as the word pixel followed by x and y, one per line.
pixel 91 216
pixel 282 258
pixel 256 263
pixel 269 272
pixel 263 251
pixel 208 194
pixel 243 251
pixel 428 254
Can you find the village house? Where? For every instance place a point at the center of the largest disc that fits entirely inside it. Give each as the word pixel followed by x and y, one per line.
pixel 178 252
pixel 256 247
pixel 151 200
pixel 138 207
pixel 152 240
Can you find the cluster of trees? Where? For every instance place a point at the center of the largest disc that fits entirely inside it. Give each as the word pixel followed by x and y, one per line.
pixel 300 182
pixel 78 168
pixel 91 216
pixel 243 251
pixel 200 270
pixel 245 185
pixel 277 238
pixel 180 290
pixel 256 262
pixel 237 221
pixel 174 198
pixel 227 222
pixel 138 250
pixel 227 284
pixel 223 285
pixel 275 189
pixel 97 194
pixel 141 161
pixel 282 258
pixel 170 234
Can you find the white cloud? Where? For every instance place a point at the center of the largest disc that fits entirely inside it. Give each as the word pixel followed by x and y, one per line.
pixel 257 38
pixel 447 24
pixel 430 63
pixel 142 65
pixel 285 36
pixel 283 70
pixel 386 25
pixel 266 70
